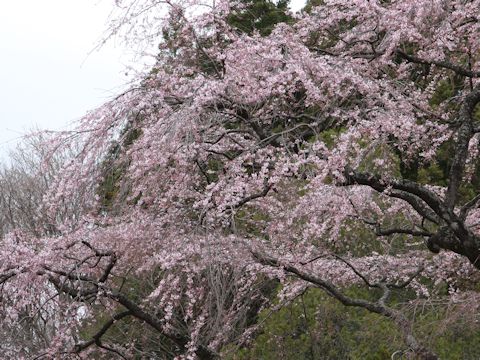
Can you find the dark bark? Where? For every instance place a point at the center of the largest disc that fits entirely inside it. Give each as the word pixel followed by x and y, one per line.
pixel 378 307
pixel 453 234
pixel 443 64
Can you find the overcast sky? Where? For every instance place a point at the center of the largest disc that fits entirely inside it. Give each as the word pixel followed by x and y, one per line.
pixel 47 77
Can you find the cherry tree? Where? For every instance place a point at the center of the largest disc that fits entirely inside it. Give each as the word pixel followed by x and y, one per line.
pixel 244 163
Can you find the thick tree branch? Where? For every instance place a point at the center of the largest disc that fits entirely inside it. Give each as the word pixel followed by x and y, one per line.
pixel 378 307
pixel 417 204
pixel 464 134
pixel 463 242
pixel 136 311
pixel 7 276
pixel 443 64
pixel 392 231
pixel 245 200
pixel 353 177
pixel 96 338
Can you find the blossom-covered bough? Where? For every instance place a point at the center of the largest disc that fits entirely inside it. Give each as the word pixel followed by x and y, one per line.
pixel 243 164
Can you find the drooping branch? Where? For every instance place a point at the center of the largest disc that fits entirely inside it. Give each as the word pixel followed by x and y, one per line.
pixel 417 204
pixel 96 338
pixel 392 231
pixel 84 293
pixel 329 287
pixel 378 307
pixel 460 70
pixel 405 283
pixel 136 311
pixel 463 242
pixel 266 188
pixel 381 284
pixel 353 177
pixel 7 276
pixel 354 269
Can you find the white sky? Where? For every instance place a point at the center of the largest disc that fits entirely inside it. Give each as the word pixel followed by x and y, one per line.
pixel 47 78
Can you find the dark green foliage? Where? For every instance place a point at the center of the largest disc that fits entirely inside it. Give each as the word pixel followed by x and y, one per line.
pixel 311 4
pixel 253 15
pixel 316 326
pixel 260 15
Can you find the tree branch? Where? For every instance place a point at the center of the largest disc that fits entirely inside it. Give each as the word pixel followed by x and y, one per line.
pixel 202 352
pixel 98 335
pixel 358 273
pixel 443 64
pixel 378 307
pixel 263 193
pixel 353 177
pixel 464 210
pixel 391 231
pixel 464 134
